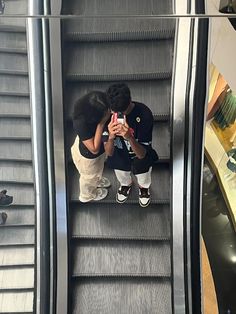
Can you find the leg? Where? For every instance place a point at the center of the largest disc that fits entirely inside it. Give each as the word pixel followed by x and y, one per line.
pixel 125 180
pixel 144 182
pixel 90 171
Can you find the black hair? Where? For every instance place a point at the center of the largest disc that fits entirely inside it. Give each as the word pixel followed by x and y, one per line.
pixel 119 97
pixel 92 106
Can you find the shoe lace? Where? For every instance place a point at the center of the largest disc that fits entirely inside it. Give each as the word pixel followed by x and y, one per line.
pixel 144 192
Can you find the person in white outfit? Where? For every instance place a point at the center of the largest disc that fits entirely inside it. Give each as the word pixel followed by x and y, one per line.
pixel 90 115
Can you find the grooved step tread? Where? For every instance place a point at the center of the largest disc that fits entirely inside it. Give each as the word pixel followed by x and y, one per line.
pixel 15 150
pixel 23 302
pixel 124 60
pixel 12 127
pixel 16 172
pixel 12 105
pixel 17 278
pixel 16 256
pixel 22 194
pixel 13 42
pixel 11 85
pixel 117 7
pixel 121 257
pixel 13 63
pixel 120 221
pixel 19 216
pixel 16 236
pixel 155 94
pixel 16 7
pixel 114 29
pixel 159 189
pixel 105 294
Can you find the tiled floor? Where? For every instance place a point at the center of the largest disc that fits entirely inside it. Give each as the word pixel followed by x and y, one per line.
pixel 220 240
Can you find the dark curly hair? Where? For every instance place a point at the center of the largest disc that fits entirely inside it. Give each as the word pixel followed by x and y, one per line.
pixel 92 106
pixel 119 97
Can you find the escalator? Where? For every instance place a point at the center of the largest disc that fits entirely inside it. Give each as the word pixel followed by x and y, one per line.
pixel 17 244
pixel 120 255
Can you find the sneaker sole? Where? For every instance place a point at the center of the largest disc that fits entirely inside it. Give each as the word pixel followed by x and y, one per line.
pixel 121 202
pixel 144 205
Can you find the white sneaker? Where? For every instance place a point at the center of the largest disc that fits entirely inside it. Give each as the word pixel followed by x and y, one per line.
pixel 104 183
pixel 144 197
pixel 123 193
pixel 101 194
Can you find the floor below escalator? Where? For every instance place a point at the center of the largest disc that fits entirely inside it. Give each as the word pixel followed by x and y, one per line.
pixel 220 241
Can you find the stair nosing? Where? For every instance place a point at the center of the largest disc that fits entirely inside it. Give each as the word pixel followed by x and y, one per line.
pixel 14 50
pixel 120 238
pixel 121 275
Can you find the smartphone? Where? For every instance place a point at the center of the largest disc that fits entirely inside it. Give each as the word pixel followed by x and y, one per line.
pixel 119 117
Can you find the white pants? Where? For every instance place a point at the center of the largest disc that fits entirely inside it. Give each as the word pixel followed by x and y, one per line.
pixel 90 171
pixel 144 179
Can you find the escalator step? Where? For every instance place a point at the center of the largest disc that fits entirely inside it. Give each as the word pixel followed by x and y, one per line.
pixel 16 256
pixel 14 86
pixel 20 216
pixel 159 189
pixel 118 296
pixel 16 172
pixel 17 25
pixel 12 278
pixel 16 236
pixel 118 29
pixel 119 61
pixel 15 150
pixel 13 42
pixel 121 258
pixel 14 63
pixel 16 7
pixel 23 302
pixel 23 194
pixel 12 127
pixel 8 105
pixel 125 221
pixel 155 94
pixel 118 7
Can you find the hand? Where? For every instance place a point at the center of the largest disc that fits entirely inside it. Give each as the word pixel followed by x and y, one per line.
pixel 113 128
pixel 124 131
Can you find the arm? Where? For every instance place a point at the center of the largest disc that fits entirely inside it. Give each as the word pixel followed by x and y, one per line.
pixel 113 128
pixel 93 144
pixel 137 148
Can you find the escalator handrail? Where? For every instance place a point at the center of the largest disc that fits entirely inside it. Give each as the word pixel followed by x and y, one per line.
pixel 36 82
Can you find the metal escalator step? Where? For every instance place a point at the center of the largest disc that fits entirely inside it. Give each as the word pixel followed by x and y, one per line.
pixel 118 29
pixel 126 221
pixel 23 302
pixel 141 60
pixel 13 42
pixel 159 189
pixel 16 236
pixel 15 150
pixel 117 7
pixel 14 63
pixel 17 25
pixel 15 127
pixel 155 94
pixel 17 278
pixel 14 85
pixel 13 105
pixel 16 256
pixel 121 258
pixel 16 172
pixel 16 7
pixel 116 296
pixel 22 194
pixel 20 216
